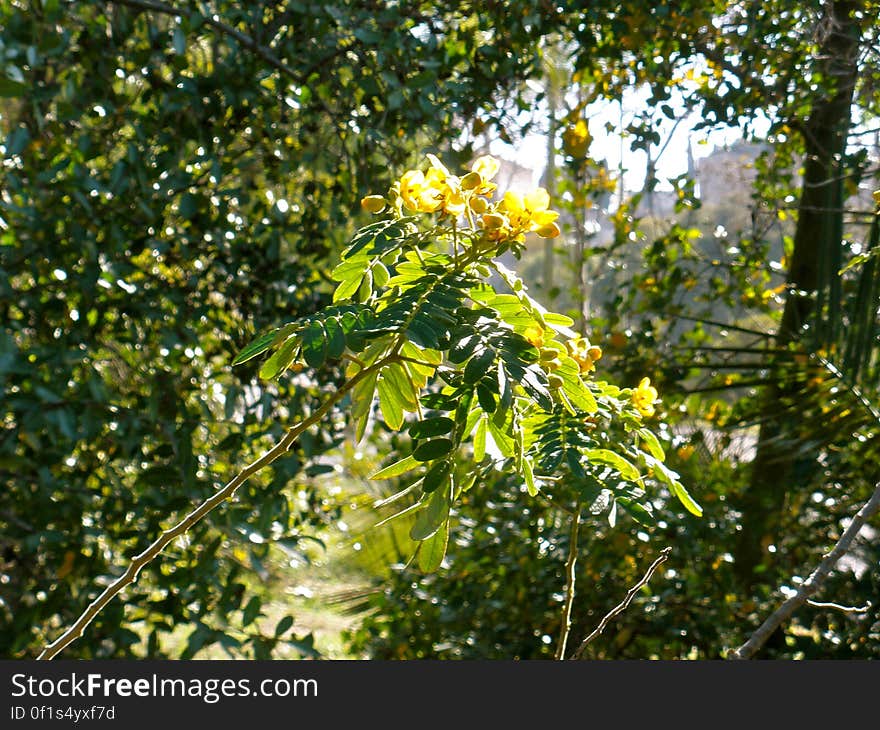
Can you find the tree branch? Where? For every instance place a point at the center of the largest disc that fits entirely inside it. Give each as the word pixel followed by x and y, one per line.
pixel 812 584
pixel 624 604
pixel 570 565
pixel 244 39
pixel 139 561
pixel 838 607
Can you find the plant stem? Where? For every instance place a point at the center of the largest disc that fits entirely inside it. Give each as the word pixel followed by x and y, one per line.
pixel 622 606
pixel 139 561
pixel 570 576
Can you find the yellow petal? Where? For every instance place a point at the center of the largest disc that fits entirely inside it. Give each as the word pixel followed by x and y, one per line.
pixel 537 200
pixel 543 217
pixel 437 165
pixel 548 230
pixel 513 202
pixel 486 166
pixel 454 203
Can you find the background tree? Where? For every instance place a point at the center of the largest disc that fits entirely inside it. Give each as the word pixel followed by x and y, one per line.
pixel 174 177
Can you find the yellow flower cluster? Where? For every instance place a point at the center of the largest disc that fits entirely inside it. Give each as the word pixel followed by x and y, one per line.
pixel 644 396
pixel 576 139
pixel 584 354
pixel 437 190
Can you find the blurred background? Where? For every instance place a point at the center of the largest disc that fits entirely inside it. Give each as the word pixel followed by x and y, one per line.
pixel 178 177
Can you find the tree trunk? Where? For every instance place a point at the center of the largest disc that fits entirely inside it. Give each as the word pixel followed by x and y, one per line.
pixel 817 244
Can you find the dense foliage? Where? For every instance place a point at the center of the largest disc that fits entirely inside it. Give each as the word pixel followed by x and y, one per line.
pixel 177 178
pixel 173 179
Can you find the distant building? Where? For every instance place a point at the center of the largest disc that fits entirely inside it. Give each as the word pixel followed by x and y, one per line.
pixel 731 168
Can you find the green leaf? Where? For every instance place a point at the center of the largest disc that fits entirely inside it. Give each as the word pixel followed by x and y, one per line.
pixel 689 502
pixel 314 344
pixel 390 404
pixel 361 403
pixel 653 443
pixel 256 347
pixel 436 475
pixel 463 349
pixel 664 474
pixel 397 495
pixel 347 289
pixel 635 510
pixel 283 626
pixel 380 275
pixel 533 385
pixel 603 456
pixel 429 427
pixel 478 366
pixel 554 319
pixel 529 476
pixel 573 459
pixel 280 361
pixel 10 88
pixel 486 398
pixel 429 520
pixel 397 468
pixel 431 450
pixel 503 442
pixel 396 515
pixel 574 387
pixel 350 269
pixel 480 439
pixel 433 550
pixel 251 611
pixel 398 379
pixel 335 338
pixel 366 287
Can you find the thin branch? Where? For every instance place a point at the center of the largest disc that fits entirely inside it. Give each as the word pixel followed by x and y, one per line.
pixel 812 584
pixel 838 607
pixel 211 20
pixel 624 604
pixel 139 561
pixel 570 565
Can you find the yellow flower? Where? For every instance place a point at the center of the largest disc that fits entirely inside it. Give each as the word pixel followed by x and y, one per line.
pixel 576 139
pixel 433 190
pixel 420 193
pixel 584 354
pixel 454 201
pixel 529 212
pixel 644 396
pixel 486 166
pixel 535 335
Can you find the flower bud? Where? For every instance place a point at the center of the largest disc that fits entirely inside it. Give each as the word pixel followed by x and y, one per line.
pixel 373 203
pixel 492 221
pixel 479 205
pixel 471 180
pixel 595 353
